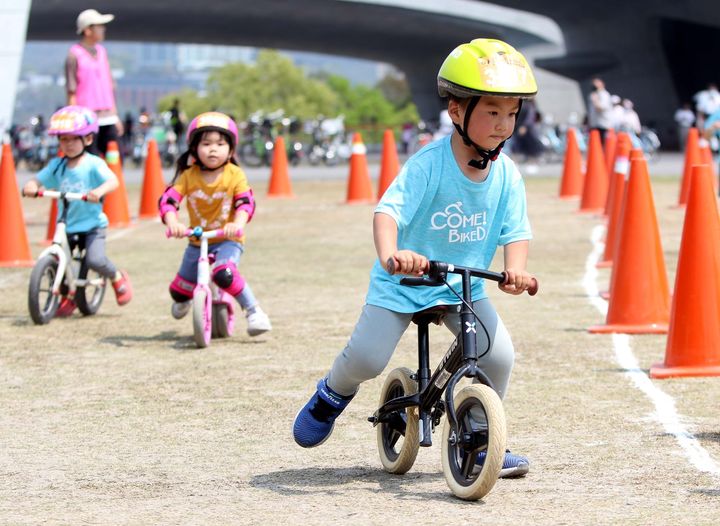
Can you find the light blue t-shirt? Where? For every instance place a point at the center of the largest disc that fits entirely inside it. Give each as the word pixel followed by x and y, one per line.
pixel 713 119
pixel 445 216
pixel 90 173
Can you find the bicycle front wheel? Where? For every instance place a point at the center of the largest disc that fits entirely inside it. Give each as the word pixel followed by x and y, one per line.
pixel 42 303
pixel 480 434
pixel 398 438
pixel 202 317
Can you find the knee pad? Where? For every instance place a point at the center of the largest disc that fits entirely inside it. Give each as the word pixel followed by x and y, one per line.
pixel 181 289
pixel 227 277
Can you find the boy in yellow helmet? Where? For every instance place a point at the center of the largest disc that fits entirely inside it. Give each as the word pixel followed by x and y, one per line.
pixel 455 200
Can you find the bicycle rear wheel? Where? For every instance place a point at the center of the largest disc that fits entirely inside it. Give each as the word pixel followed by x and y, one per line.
pixel 398 438
pixel 89 297
pixel 42 303
pixel 220 321
pixel 481 429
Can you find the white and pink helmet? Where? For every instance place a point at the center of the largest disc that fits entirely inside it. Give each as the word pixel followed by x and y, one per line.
pixel 213 121
pixel 73 120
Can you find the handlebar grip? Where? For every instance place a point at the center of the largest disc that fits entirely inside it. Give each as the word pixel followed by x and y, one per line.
pixel 414 282
pixel 531 290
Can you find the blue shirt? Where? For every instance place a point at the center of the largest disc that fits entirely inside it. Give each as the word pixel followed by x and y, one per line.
pixel 90 173
pixel 712 119
pixel 445 216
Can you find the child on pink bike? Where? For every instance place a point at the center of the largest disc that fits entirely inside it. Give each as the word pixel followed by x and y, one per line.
pixel 218 197
pixel 82 172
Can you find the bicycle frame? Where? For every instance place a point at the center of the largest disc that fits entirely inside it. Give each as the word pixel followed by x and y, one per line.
pixel 213 294
pixel 60 246
pixel 460 361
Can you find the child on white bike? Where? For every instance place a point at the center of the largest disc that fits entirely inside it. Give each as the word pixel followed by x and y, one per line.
pixel 218 197
pixel 455 200
pixel 79 171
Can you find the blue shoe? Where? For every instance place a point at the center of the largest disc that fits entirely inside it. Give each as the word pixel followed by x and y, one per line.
pixel 315 421
pixel 513 465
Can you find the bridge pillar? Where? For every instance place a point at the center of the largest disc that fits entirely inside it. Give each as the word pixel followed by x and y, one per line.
pixel 13 20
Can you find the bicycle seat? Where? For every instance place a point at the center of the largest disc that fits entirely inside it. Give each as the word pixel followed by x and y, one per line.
pixel 434 314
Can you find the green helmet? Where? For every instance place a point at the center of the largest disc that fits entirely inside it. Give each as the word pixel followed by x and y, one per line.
pixel 486 66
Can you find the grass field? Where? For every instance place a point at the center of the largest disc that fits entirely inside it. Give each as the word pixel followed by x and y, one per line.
pixel 118 419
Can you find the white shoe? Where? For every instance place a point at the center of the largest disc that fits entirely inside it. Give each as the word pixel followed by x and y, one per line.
pixel 180 309
pixel 258 322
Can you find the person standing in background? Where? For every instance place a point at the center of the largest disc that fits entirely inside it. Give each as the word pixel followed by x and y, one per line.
pixel 600 108
pixel 684 118
pixel 88 80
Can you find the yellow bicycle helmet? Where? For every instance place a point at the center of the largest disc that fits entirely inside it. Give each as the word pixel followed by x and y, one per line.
pixel 485 66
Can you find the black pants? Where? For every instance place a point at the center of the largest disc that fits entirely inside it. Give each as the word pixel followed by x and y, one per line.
pixel 104 136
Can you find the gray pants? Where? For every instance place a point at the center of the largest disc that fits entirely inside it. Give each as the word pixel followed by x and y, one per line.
pixel 95 253
pixel 379 330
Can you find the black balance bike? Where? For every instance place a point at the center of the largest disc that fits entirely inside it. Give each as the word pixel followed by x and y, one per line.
pixel 411 404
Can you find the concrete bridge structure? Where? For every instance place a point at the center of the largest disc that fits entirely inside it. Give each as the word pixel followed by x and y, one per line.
pixel 657 53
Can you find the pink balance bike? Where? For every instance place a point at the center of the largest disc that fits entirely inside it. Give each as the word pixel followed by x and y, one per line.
pixel 213 309
pixel 61 271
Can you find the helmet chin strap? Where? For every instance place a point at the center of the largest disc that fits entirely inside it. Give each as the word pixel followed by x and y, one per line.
pixel 485 155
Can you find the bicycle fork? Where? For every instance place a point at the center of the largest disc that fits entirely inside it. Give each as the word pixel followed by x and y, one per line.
pixel 60 250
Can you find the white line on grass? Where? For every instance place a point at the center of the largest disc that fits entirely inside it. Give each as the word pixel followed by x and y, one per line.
pixel 665 412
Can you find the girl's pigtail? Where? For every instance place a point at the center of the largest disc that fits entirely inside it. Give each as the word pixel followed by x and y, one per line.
pixel 181 165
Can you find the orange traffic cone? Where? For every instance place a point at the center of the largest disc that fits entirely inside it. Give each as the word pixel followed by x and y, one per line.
pixel 359 188
pixel 279 176
pixel 572 179
pixel 693 344
pixel 635 153
pixel 706 157
pixel 389 165
pixel 611 140
pixel 596 179
pixel 615 197
pixel 622 138
pixel 116 202
pixel 153 184
pixel 692 157
pixel 639 293
pixel 14 246
pixel 52 220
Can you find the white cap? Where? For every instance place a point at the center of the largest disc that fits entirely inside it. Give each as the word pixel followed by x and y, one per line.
pixel 90 17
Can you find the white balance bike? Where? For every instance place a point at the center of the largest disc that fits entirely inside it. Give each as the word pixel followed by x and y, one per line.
pixel 61 272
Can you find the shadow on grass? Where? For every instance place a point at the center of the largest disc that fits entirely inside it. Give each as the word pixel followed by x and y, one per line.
pixel 179 341
pixel 329 481
pixel 707 492
pixel 710 436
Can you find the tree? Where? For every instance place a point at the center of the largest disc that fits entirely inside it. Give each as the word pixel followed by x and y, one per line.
pixel 274 83
pixel 395 89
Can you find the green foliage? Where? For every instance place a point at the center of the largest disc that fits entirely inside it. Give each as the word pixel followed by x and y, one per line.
pixel 274 82
pixel 191 103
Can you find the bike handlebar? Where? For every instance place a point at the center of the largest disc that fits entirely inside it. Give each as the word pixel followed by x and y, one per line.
pixel 198 233
pixel 437 270
pixel 70 196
